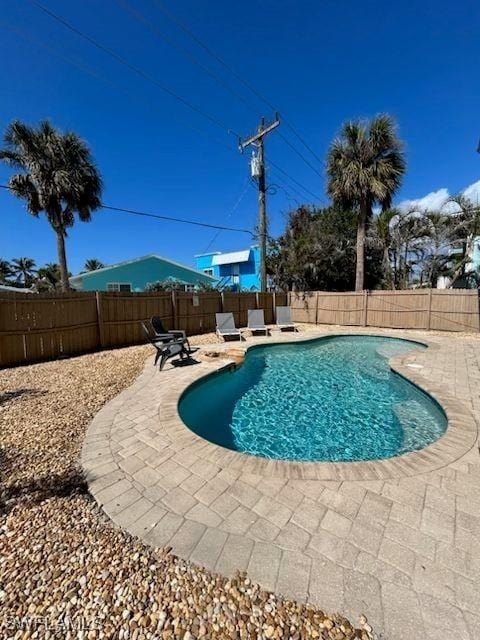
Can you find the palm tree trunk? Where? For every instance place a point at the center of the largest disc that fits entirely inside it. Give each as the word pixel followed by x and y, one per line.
pixel 360 265
pixel 62 259
pixel 387 267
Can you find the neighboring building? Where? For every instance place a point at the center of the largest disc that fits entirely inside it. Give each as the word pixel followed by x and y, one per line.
pixel 472 266
pixel 136 274
pixel 239 270
pixel 6 287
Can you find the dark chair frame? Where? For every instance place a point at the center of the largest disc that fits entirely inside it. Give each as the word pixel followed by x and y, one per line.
pixel 158 327
pixel 163 344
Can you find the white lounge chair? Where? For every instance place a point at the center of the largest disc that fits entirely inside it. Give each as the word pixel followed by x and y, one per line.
pixel 284 319
pixel 226 326
pixel 256 321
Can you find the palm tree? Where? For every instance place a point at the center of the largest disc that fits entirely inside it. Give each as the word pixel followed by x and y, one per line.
pixel 58 176
pixel 465 229
pixel 5 270
pixel 92 264
pixel 24 270
pixel 439 228
pixel 383 229
pixel 365 166
pixel 410 233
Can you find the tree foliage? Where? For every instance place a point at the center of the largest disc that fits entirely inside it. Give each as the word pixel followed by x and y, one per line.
pixel 24 270
pixel 92 264
pixel 57 176
pixel 317 251
pixel 365 166
pixel 6 271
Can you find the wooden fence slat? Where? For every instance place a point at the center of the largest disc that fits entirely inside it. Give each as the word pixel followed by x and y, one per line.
pixel 440 309
pixel 37 327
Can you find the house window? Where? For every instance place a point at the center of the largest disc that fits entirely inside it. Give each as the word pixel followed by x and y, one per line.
pixel 209 272
pixel 189 287
pixel 119 286
pixel 235 273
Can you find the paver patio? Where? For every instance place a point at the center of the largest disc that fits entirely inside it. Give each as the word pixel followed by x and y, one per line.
pixel 401 546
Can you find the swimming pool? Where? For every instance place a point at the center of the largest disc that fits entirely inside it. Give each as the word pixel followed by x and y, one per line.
pixel 330 399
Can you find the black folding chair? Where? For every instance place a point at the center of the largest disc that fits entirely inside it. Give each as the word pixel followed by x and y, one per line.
pixel 160 330
pixel 166 346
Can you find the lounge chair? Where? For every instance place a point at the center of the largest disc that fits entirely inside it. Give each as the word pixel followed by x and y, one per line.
pixel 226 326
pixel 284 319
pixel 167 346
pixel 256 321
pixel 159 329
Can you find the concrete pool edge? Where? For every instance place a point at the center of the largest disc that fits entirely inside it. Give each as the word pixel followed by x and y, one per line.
pixel 459 437
pixel 241 355
pixel 359 547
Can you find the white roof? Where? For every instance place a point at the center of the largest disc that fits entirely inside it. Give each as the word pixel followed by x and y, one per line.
pixel 231 258
pixel 4 287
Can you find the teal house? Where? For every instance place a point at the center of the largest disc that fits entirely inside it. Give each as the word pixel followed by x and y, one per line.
pixel 137 274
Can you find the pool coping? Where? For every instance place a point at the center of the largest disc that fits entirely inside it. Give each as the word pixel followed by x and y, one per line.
pixel 302 537
pixel 459 437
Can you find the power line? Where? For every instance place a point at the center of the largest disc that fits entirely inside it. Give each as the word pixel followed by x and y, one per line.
pixel 54 52
pixel 220 60
pixel 162 217
pixel 294 180
pixel 93 73
pixel 140 17
pixel 81 67
pixel 230 214
pixel 287 142
pixel 131 66
pixel 126 6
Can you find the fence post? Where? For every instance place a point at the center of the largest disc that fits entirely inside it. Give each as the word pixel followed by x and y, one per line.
pixel 316 307
pixel 174 309
pixel 101 335
pixel 429 314
pixel 257 300
pixel 478 309
pixel 222 302
pixel 365 307
pixel 274 306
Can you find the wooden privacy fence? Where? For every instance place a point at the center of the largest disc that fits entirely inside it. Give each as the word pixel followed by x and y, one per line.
pixel 47 326
pixel 37 327
pixel 440 309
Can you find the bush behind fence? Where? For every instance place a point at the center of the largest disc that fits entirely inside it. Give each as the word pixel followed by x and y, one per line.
pixel 47 326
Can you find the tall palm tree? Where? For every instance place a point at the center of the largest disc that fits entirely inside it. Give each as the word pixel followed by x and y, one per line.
pixel 365 166
pixel 57 176
pixel 24 270
pixel 92 264
pixel 6 270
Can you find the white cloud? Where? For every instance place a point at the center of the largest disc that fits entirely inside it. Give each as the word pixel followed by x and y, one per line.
pixel 437 199
pixel 473 192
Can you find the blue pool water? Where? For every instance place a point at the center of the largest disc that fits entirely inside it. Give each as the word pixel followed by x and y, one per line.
pixel 333 398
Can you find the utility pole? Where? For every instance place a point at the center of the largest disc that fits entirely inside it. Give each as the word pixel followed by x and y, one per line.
pixel 258 171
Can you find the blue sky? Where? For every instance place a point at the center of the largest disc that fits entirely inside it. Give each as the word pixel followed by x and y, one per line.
pixel 320 63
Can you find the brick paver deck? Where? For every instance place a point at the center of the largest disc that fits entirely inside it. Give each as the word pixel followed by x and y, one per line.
pixel 399 543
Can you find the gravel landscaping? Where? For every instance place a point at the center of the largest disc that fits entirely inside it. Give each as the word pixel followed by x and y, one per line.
pixel 67 572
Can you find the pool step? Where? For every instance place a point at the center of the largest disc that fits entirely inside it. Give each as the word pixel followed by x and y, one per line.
pixel 237 354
